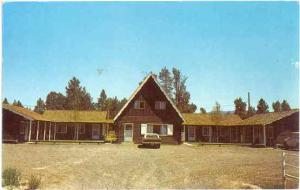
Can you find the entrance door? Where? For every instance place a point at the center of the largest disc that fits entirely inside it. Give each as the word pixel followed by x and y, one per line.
pixel 96 132
pixel 128 127
pixel 191 133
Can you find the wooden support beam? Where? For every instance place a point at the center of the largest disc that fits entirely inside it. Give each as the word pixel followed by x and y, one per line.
pixel 54 130
pixel 29 134
pixel 264 135
pixel 37 130
pixel 50 132
pixel 45 125
pixel 253 138
pixel 230 134
pixel 77 131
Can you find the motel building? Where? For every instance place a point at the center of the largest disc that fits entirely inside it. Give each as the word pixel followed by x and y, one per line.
pixel 148 110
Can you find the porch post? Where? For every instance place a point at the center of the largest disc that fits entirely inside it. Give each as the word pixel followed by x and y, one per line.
pixel 45 125
pixel 184 133
pixel 77 131
pixel 229 134
pixel 264 135
pixel 54 130
pixel 29 134
pixel 50 131
pixel 37 130
pixel 217 129
pixel 253 135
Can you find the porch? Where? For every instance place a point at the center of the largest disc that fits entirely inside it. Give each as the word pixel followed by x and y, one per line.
pixel 37 131
pixel 229 134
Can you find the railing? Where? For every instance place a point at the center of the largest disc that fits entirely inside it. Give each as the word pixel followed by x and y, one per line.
pixel 285 175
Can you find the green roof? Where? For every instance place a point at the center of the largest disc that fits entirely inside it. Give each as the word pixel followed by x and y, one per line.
pixel 24 112
pixel 210 119
pixel 77 116
pixel 267 118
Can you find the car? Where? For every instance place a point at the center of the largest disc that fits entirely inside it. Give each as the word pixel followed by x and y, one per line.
pixel 151 139
pixel 292 141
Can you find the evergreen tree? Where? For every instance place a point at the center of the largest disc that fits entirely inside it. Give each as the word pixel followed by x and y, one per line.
pixel 202 110
pixel 102 101
pixel 276 106
pixel 181 95
pixel 55 101
pixel 216 114
pixel 240 107
pixel 262 107
pixel 166 81
pixel 17 103
pixel 285 106
pixel 40 106
pixel 76 96
pixel 251 111
pixel 5 101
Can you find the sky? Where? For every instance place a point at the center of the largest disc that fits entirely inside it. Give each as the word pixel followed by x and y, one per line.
pixel 226 49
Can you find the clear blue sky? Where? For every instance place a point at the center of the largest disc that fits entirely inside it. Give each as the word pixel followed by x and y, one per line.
pixel 226 49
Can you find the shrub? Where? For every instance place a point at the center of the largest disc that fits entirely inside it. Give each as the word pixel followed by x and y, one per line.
pixel 111 138
pixel 34 182
pixel 11 177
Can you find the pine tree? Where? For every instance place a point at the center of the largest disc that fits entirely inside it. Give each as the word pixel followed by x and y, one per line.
pixel 276 106
pixel 240 107
pixel 262 107
pixel 202 110
pixel 76 96
pixel 285 106
pixel 55 101
pixel 102 101
pixel 40 106
pixel 166 81
pixel 5 101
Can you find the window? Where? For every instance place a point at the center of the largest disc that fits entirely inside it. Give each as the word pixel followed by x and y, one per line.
pixel 164 130
pixel 61 128
pixel 161 129
pixel 81 128
pixel 150 129
pixel 22 128
pixel 271 132
pixel 139 104
pixel 160 105
pixel 205 131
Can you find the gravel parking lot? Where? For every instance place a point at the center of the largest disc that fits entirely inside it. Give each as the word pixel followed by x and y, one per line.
pixel 93 166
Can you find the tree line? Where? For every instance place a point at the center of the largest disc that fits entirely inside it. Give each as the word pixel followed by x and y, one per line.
pixel 172 81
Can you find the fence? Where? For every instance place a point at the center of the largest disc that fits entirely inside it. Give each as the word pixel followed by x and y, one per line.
pixel 285 175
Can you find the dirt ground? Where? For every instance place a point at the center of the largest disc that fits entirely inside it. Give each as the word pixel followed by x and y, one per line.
pixel 114 166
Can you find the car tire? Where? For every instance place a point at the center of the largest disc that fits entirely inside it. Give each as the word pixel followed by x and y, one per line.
pixel 285 146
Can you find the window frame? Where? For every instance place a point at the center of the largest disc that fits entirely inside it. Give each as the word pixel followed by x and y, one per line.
pixel 160 105
pixel 22 128
pixel 81 126
pixel 139 103
pixel 203 131
pixel 160 128
pixel 60 127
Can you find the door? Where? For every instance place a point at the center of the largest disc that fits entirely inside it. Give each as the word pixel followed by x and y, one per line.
pixel 191 133
pixel 96 132
pixel 128 128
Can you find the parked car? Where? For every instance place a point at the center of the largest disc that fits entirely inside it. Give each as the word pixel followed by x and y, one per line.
pixel 281 137
pixel 151 139
pixel 292 141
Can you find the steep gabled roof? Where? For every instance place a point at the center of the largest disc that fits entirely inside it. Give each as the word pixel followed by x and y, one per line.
pixel 77 116
pixel 198 119
pixel 26 113
pixel 267 118
pixel 138 90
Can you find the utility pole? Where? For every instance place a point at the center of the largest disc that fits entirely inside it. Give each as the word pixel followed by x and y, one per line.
pixel 249 101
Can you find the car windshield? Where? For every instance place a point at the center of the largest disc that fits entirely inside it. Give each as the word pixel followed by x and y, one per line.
pixel 151 136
